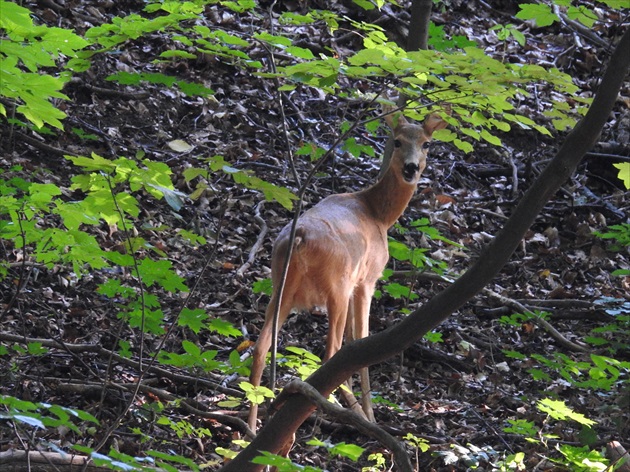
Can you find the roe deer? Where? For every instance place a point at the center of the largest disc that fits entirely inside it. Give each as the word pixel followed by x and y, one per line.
pixel 340 251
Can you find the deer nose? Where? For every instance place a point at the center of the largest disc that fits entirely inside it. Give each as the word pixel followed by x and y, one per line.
pixel 409 171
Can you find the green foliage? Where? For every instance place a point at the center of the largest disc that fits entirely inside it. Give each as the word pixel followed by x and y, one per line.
pixel 229 453
pixel 183 428
pixel 600 373
pixel 380 400
pixel 56 230
pixel 379 463
pixel 504 32
pixel 620 237
pixel 542 14
pixel 518 319
pixel 615 336
pixel 559 410
pixel 303 362
pixel 434 337
pixel 624 173
pixel 118 461
pixel 619 234
pixel 351 451
pixel 582 459
pixel 189 89
pixel 282 464
pixel 218 164
pixel 42 415
pixel 256 395
pixel 263 286
pixel 418 257
pixel 512 462
pixel 439 42
pixel 120 30
pixel 522 427
pixel 418 443
pixel 26 52
pixel 479 88
pixel 193 356
pixel 423 226
pixel 570 457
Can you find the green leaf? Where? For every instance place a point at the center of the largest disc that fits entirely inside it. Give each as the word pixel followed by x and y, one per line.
pixel 15 19
pixel 224 328
pixel 559 410
pixel 161 272
pixel 194 319
pixel 540 13
pixel 180 54
pixel 365 4
pixel 256 395
pixel 94 163
pixel 303 354
pixel 433 337
pixel 262 286
pixel 490 138
pixel 522 427
pixel 351 451
pixel 624 173
pixel 617 4
pixel 301 53
pixel 397 291
pixel 582 14
pixel 583 458
pixel 275 40
pixel 420 443
pixel 36 349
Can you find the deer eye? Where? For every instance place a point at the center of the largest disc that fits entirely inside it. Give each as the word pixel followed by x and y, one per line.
pixel 426 145
pixel 397 143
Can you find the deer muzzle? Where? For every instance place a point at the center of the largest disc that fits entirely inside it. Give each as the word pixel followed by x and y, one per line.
pixel 410 171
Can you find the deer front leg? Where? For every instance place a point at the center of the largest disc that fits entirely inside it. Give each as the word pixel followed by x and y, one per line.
pixel 358 328
pixel 261 349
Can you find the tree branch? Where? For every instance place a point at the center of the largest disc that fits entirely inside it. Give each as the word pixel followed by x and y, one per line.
pixel 350 417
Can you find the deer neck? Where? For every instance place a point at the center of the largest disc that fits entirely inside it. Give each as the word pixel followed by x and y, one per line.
pixel 388 198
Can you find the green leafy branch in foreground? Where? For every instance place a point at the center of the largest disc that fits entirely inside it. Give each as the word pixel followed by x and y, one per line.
pixel 545 14
pixel 48 227
pixel 481 91
pixel 27 50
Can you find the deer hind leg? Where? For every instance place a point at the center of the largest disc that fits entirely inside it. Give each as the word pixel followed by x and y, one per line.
pixel 338 317
pixel 358 328
pixel 262 348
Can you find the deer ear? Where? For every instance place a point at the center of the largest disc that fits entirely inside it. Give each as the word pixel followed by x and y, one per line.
pixel 393 118
pixel 432 123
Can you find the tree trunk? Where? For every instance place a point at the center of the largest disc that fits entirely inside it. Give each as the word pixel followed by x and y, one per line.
pixel 419 25
pixel 417 38
pixel 381 346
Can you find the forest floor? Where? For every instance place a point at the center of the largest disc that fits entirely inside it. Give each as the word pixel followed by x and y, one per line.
pixel 460 389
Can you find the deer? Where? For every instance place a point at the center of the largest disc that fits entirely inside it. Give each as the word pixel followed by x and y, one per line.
pixel 339 253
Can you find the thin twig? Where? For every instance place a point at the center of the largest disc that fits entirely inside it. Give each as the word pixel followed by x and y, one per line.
pixel 259 241
pixel 573 346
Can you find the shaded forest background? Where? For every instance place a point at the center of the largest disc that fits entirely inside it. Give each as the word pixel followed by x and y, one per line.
pixel 532 371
